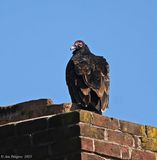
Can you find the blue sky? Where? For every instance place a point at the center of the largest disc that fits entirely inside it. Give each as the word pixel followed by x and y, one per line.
pixel 35 37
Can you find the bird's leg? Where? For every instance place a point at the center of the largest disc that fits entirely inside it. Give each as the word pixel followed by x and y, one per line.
pixel 93 109
pixel 88 107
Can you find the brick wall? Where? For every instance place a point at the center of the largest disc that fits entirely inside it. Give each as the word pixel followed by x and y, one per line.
pixel 77 135
pixel 32 109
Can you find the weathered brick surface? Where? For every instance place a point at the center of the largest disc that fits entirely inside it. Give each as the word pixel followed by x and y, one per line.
pixel 132 128
pixel 90 131
pixel 105 122
pixel 125 153
pixel 120 138
pixel 92 156
pixel 151 132
pixel 87 144
pixel 142 155
pixel 111 150
pixel 149 144
pixel 107 149
pixel 85 116
pixel 79 135
pixel 25 110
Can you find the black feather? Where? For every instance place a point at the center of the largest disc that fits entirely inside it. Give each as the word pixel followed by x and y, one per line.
pixel 87 77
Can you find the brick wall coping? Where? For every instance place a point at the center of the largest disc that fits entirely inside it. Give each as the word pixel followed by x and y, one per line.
pixel 32 109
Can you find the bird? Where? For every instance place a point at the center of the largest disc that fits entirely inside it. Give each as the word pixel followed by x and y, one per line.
pixel 87 78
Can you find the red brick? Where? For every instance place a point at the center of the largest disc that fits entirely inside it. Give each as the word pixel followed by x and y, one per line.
pixel 90 131
pixel 132 128
pixel 120 138
pixel 107 149
pixel 125 152
pixel 87 144
pixel 110 123
pixel 91 156
pixel 142 155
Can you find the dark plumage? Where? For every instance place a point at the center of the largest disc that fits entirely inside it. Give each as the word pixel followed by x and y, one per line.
pixel 87 77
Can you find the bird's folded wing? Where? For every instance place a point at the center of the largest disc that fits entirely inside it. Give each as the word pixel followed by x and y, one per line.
pixel 94 75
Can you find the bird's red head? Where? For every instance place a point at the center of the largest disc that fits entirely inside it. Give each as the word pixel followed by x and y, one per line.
pixel 77 45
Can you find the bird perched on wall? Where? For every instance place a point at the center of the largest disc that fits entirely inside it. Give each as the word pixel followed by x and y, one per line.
pixel 87 78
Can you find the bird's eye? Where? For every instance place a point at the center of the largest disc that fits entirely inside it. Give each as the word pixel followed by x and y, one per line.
pixel 80 45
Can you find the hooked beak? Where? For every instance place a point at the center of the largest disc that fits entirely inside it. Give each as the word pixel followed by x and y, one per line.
pixel 73 47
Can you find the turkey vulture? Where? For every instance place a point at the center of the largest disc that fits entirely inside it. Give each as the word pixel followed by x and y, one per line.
pixel 87 78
